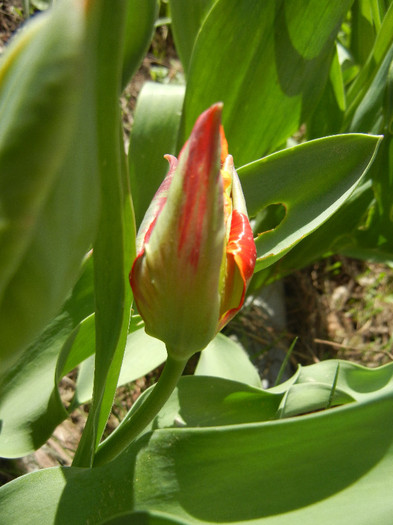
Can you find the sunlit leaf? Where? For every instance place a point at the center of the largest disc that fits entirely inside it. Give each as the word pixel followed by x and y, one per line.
pixel 311 180
pixel 187 18
pixel 114 249
pixel 154 134
pixel 225 358
pixel 317 468
pixel 272 60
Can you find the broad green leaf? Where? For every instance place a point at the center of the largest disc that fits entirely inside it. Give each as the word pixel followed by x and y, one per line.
pixel 355 380
pixel 206 401
pixel 142 355
pixel 316 468
pixel 187 18
pixel 268 62
pixel 48 184
pixel 361 228
pixel 311 180
pixel 225 358
pixel 31 384
pixel 143 518
pixel 140 18
pixel 153 135
pixel 114 249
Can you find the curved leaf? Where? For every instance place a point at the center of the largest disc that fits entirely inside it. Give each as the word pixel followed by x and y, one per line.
pixel 336 235
pixel 311 180
pixel 142 355
pixel 317 468
pixel 367 76
pixel 143 518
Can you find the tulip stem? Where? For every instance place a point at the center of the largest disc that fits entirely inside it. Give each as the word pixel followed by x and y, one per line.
pixel 133 424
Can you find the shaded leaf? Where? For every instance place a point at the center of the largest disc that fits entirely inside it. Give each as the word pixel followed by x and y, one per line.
pixel 31 384
pixel 139 28
pixel 358 101
pixel 48 173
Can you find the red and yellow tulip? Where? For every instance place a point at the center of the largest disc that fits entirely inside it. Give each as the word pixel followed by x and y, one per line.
pixel 195 248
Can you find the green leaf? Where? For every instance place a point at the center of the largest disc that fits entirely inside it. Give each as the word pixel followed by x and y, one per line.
pixel 368 116
pixel 187 18
pixel 31 385
pixel 153 135
pixel 225 358
pixel 48 185
pixel 311 180
pixel 363 30
pixel 316 468
pixel 377 62
pixel 139 28
pixel 361 228
pixel 328 115
pixel 114 249
pixel 336 235
pixel 142 355
pixel 143 518
pixel 268 62
pixel 373 239
pixel 205 401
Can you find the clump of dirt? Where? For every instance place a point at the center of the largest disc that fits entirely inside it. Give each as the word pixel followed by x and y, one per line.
pixel 342 308
pixel 11 17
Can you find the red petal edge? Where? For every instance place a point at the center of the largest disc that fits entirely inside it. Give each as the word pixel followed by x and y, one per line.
pixel 241 247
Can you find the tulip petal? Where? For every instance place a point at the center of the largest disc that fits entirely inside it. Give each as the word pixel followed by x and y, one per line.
pixel 156 206
pixel 240 257
pixel 224 145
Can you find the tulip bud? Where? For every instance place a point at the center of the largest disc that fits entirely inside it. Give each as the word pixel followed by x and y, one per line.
pixel 195 249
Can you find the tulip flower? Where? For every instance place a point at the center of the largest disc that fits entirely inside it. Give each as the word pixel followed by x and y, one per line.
pixel 195 257
pixel 195 248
